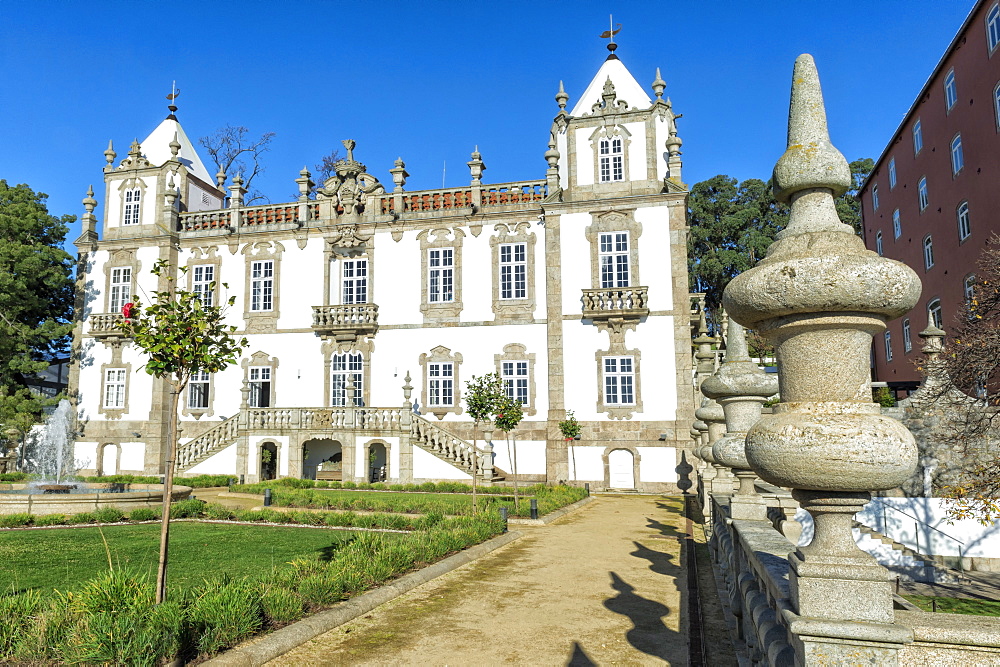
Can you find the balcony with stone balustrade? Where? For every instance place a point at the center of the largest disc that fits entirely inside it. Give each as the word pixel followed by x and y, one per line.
pixel 105 325
pixel 615 304
pixel 348 322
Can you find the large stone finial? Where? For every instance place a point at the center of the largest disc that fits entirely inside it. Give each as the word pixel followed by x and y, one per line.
pixel 89 203
pixel 399 174
pixel 305 183
pixel 933 338
pixel 349 145
pixel 659 85
pixel 175 147
pixel 820 296
pixel 476 167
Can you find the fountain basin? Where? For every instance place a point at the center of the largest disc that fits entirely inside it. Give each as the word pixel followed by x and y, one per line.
pixel 22 498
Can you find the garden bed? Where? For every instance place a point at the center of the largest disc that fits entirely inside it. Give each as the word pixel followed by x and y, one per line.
pixel 411 498
pixel 112 619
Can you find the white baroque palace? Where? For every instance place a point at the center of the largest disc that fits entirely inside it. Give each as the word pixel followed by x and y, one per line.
pixel 368 307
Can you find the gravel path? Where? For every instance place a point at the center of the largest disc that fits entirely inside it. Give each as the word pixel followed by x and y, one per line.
pixel 603 585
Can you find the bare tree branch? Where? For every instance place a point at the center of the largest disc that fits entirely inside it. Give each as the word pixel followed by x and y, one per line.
pixel 232 148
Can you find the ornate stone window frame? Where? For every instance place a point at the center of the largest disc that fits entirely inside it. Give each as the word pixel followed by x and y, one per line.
pixel 331 347
pixel 116 362
pixel 609 132
pixel 614 221
pixel 440 238
pixel 519 352
pixel 262 321
pixel 119 259
pixel 442 354
pixel 617 349
pixel 198 413
pixel 131 183
pixel 260 358
pixel 514 309
pixel 345 244
pixel 206 256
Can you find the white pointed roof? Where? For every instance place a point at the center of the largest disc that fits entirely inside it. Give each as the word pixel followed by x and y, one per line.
pixel 156 148
pixel 626 88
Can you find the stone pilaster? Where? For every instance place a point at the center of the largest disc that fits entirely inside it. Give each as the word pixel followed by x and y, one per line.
pixel 820 296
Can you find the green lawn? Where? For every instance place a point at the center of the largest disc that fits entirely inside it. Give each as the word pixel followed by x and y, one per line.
pixel 956 605
pixel 65 558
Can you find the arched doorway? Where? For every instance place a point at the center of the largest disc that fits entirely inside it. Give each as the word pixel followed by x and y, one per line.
pixel 620 469
pixel 322 458
pixel 268 461
pixel 378 462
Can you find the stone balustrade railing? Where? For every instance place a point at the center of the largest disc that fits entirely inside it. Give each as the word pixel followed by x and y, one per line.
pixel 206 444
pixel 388 420
pixel 439 441
pixel 105 324
pixel 346 321
pixel 608 302
pixel 202 220
pixel 269 214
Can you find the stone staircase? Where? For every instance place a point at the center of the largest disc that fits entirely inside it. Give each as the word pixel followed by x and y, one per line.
pixel 425 434
pixel 902 561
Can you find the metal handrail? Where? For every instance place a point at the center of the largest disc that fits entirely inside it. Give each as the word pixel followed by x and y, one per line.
pixel 916 530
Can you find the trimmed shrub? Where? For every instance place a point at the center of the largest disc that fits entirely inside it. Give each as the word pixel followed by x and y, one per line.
pixel 82 517
pixel 144 514
pixel 218 512
pixel 187 508
pixel 14 520
pixel 48 520
pixel 109 515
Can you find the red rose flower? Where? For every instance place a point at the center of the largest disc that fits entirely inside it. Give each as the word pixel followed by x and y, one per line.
pixel 128 309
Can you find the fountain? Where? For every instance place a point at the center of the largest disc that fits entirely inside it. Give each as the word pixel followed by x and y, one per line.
pixel 49 456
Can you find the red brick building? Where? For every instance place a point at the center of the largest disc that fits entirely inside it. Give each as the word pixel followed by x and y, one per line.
pixel 933 198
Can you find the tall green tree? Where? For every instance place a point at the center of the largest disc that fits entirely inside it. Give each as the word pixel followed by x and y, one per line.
pixel 732 225
pixel 36 298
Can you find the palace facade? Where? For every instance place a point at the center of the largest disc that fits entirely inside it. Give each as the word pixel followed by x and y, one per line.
pixel 367 308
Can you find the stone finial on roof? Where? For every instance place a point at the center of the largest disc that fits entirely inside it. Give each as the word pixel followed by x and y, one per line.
pixel 933 341
pixel 399 174
pixel 659 85
pixel 476 166
pixel 89 203
pixel 135 150
pixel 561 97
pixel 305 183
pixel 220 178
pixel 175 147
pixel 109 154
pixel 88 236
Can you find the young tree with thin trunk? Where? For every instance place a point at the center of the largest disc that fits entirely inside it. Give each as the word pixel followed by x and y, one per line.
pixel 509 414
pixel 482 396
pixel 180 337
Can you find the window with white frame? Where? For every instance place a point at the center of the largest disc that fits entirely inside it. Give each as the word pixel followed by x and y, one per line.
pixel 515 380
pixel 354 281
pixel 892 173
pixel 440 384
pixel 619 380
pixel 993 27
pixel 888 346
pixel 922 195
pixel 897 229
pixel 928 252
pixel 344 367
pixel 878 243
pixel 614 259
pixel 874 197
pixel 957 157
pixel 121 288
pixel 907 340
pixel 950 90
pixel 969 288
pixel 114 388
pixel 611 159
pixel 131 211
pixel 934 313
pixel 513 271
pixel 260 386
pixel 964 225
pixel 202 277
pixel 441 275
pixel 198 390
pixel 918 137
pixel 996 103
pixel 262 285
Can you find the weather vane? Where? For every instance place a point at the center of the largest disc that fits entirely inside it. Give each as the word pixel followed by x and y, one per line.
pixel 610 34
pixel 174 92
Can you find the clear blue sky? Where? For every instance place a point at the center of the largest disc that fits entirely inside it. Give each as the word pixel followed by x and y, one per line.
pixel 429 81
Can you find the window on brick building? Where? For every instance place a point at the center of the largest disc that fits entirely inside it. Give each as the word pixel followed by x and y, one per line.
pixel 922 195
pixel 964 225
pixel 957 156
pixel 892 173
pixel 907 340
pixel 993 27
pixel 897 229
pixel 918 137
pixel 878 243
pixel 888 346
pixel 928 252
pixel 950 90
